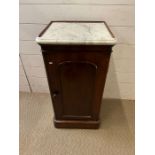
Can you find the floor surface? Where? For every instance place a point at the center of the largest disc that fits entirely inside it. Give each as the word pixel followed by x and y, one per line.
pixel 39 137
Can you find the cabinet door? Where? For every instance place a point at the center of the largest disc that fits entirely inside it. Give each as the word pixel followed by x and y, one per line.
pixel 76 84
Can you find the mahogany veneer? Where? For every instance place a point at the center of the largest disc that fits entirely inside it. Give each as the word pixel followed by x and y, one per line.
pixel 76 77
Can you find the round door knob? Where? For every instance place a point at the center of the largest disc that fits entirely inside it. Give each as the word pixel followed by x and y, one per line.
pixel 50 62
pixel 54 94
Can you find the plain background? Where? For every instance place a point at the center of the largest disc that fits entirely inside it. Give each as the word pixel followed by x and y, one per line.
pixel 34 15
pixel 145 75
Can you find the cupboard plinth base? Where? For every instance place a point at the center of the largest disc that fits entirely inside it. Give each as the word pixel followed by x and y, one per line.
pixel 79 124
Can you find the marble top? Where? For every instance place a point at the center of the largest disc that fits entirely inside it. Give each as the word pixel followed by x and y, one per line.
pixel 77 33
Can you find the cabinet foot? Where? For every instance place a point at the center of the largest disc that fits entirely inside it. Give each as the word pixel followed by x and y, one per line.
pixel 76 124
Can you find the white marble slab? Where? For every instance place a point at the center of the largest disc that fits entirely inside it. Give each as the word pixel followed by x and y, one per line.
pixel 77 33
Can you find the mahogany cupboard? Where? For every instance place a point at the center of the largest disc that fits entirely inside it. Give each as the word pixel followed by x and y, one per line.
pixel 76 57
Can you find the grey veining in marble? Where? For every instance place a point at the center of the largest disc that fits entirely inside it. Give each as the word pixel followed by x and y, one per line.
pixel 77 33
